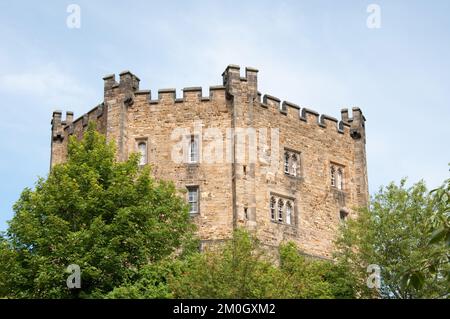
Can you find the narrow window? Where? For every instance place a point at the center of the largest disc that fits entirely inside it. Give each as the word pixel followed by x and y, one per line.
pixel 288 213
pixel 246 213
pixel 333 176
pixel 193 149
pixel 193 199
pixel 286 163
pixel 280 210
pixel 272 207
pixel 245 169
pixel 294 165
pixel 339 179
pixel 142 147
pixel 343 215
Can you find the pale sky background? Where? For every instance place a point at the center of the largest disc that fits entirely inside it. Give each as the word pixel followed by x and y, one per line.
pixel 318 54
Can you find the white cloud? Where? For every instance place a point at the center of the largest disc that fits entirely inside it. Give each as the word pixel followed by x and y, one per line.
pixel 44 82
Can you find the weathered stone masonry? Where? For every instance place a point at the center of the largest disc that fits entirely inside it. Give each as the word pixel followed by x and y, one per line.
pixel 301 201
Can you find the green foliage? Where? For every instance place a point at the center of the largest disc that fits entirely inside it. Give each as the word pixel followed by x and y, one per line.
pixel 243 269
pixel 109 218
pixel 313 278
pixel 237 270
pixel 439 224
pixel 395 234
pixel 152 282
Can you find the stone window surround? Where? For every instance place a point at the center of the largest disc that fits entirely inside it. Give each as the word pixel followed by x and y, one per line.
pixel 336 179
pixel 298 155
pixel 138 141
pixel 190 138
pixel 285 199
pixel 197 188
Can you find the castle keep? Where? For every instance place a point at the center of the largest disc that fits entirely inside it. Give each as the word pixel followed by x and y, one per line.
pixel 245 159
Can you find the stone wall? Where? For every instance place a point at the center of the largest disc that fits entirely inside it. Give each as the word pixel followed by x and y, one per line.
pixel 237 192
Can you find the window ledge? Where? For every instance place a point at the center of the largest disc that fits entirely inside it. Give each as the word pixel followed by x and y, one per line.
pixel 282 223
pixel 337 190
pixel 193 164
pixel 293 177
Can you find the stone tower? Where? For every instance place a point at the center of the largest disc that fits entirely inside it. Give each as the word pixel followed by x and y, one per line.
pixel 282 171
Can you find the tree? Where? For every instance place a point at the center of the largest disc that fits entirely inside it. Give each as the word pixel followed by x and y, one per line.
pixel 437 263
pixel 110 218
pixel 394 233
pixel 242 268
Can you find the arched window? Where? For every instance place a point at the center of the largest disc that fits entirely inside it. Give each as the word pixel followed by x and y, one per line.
pixel 286 163
pixel 294 165
pixel 339 179
pixel 333 176
pixel 288 213
pixel 193 149
pixel 273 203
pixel 142 147
pixel 280 210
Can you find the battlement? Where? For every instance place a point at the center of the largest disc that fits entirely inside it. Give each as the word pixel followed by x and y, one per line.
pixel 311 116
pixel 233 83
pixel 189 94
pixel 58 124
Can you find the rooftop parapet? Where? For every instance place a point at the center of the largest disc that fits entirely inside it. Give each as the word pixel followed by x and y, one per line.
pixel 192 93
pixel 58 124
pixel 308 115
pixel 232 79
pixel 357 122
pixel 233 84
pixel 128 82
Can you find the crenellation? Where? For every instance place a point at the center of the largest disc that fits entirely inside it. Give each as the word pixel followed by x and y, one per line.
pixel 340 127
pixel 85 120
pixel 69 117
pixel 129 81
pixel 143 93
pixel 287 105
pixel 167 95
pixel 192 94
pixel 329 121
pixel 258 97
pixel 310 116
pixel 291 110
pixel 217 93
pixel 109 82
pixel 56 118
pixel 357 116
pixel 271 101
pixel 344 115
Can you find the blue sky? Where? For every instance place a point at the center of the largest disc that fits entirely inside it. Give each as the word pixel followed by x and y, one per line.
pixel 318 54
